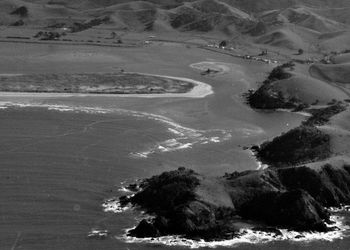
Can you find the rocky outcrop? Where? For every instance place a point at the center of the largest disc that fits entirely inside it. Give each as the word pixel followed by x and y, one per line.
pixel 171 197
pixel 281 196
pixel 292 198
pixel 329 186
pixel 294 209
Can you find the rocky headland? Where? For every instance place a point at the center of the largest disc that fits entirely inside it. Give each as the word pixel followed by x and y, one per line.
pixel 291 198
pixel 287 195
pixel 270 97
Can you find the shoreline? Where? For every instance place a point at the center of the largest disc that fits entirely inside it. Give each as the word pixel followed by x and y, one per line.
pixel 200 90
pixel 245 236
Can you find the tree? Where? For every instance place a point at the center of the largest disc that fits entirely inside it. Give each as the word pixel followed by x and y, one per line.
pixel 223 44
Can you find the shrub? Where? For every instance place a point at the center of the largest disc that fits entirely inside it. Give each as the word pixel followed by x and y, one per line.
pixel 22 11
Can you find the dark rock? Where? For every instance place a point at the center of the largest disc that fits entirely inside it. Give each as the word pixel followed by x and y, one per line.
pixel 167 191
pixel 124 200
pixel 329 186
pixel 293 209
pixel 144 229
pixel 133 187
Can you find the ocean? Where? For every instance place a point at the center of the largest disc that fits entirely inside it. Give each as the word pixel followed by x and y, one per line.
pixel 60 163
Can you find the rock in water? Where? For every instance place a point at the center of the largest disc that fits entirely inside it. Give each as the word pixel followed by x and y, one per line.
pixel 144 229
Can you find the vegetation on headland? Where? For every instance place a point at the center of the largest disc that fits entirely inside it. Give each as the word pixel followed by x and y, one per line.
pixel 270 197
pixel 299 145
pixel 321 116
pixel 303 144
pixel 267 97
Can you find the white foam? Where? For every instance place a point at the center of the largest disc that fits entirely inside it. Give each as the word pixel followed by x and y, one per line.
pixel 303 113
pixel 97 234
pixel 140 154
pixel 114 206
pixel 250 131
pixel 185 137
pixel 261 166
pixel 214 139
pixel 343 208
pixel 176 132
pixel 248 236
pixel 124 189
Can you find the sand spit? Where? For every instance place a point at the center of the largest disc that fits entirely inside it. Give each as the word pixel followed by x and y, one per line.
pixel 200 90
pixel 248 236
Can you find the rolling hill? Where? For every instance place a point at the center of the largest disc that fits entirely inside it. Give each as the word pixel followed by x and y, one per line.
pixel 284 24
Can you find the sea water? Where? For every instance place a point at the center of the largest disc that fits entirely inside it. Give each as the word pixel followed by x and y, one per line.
pixel 61 165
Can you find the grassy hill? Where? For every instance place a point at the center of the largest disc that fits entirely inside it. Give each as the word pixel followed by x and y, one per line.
pixel 312 25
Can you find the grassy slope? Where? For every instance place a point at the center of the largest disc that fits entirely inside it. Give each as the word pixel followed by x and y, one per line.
pixel 335 73
pixel 309 90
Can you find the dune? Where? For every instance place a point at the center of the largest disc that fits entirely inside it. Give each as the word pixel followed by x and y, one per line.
pixel 339 73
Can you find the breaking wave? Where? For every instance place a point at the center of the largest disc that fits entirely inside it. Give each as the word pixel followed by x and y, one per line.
pixel 248 236
pixel 184 137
